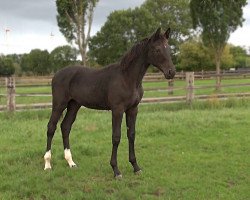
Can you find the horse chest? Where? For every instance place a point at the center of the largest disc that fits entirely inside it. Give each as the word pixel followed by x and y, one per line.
pixel 134 98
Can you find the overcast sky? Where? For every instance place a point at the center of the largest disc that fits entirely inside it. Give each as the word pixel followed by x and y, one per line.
pixel 31 23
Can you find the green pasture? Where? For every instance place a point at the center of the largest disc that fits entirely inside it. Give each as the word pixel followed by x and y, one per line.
pixel 197 152
pixel 179 90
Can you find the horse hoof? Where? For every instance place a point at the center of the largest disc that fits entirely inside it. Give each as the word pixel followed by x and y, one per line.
pixel 138 172
pixel 47 168
pixel 118 177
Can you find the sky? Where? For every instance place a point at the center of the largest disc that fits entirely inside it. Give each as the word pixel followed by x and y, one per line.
pixel 29 24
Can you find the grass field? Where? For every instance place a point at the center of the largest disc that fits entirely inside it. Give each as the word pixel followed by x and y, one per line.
pixel 198 152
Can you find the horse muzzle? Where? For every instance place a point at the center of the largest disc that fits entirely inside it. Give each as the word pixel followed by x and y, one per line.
pixel 169 74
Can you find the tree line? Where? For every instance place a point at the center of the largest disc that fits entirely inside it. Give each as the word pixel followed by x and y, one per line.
pixel 200 31
pixel 38 62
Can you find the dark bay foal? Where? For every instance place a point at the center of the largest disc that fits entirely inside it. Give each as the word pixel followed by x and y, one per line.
pixel 117 87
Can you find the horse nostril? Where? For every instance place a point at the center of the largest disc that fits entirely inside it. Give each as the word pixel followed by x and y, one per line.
pixel 171 72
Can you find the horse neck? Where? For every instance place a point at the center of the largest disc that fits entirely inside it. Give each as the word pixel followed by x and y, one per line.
pixel 136 70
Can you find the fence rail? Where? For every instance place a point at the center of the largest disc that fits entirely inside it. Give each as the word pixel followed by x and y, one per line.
pixel 13 83
pixel 143 101
pixel 149 77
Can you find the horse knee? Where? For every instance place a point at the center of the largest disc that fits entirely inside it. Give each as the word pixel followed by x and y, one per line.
pixel 131 136
pixel 116 141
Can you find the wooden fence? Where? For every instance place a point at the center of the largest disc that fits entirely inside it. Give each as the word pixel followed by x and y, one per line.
pixel 10 83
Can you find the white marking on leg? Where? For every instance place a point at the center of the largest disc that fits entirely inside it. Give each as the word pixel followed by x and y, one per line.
pixel 68 157
pixel 47 159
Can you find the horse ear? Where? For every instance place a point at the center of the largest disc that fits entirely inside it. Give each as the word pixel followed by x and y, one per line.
pixel 156 34
pixel 167 33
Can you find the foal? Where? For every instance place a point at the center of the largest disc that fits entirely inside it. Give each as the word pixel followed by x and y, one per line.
pixel 117 87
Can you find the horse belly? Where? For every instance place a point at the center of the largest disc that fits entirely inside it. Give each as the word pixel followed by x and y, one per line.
pixel 92 99
pixel 96 105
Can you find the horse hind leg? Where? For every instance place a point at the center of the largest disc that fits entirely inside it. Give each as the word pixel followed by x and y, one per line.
pixel 55 115
pixel 66 125
pixel 131 115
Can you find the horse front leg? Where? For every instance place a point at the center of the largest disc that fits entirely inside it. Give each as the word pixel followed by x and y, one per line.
pixel 131 115
pixel 55 115
pixel 116 136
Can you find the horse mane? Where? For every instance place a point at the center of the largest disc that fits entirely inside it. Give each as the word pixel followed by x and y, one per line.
pixel 133 53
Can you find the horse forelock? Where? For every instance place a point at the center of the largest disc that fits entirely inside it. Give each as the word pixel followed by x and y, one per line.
pixel 133 53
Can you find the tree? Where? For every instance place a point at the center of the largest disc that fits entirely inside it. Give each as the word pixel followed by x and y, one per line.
pixel 119 33
pixel 227 59
pixel 25 63
pixel 63 56
pixel 123 28
pixel 16 59
pixel 240 56
pixel 248 61
pixel 216 20
pixel 36 62
pixel 173 14
pixel 194 56
pixel 72 18
pixel 6 67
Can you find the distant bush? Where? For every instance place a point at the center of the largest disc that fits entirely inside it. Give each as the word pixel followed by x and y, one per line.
pixel 6 67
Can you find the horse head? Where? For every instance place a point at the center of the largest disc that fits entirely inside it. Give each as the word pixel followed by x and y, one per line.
pixel 159 53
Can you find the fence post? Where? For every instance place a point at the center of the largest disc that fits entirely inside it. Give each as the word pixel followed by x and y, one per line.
pixel 182 75
pixel 11 92
pixel 190 87
pixel 170 87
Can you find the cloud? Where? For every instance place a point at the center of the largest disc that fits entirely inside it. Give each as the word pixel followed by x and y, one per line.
pixel 31 23
pixel 105 7
pixel 241 36
pixel 28 10
pixel 29 14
